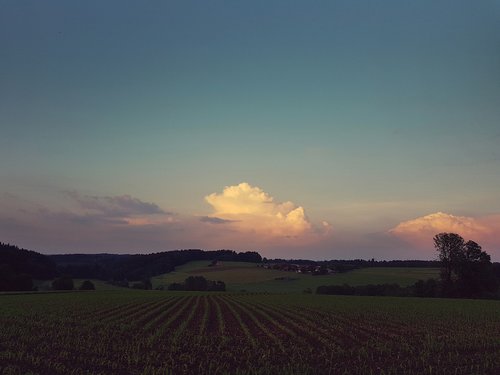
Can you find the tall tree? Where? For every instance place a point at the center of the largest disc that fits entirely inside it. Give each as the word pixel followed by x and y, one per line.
pixel 466 270
pixel 451 252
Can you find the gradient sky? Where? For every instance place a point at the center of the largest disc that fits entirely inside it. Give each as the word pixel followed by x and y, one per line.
pixel 148 126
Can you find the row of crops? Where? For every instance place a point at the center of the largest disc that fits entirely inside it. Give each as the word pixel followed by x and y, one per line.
pixel 181 333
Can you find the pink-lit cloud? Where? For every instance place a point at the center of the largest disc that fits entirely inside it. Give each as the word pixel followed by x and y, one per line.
pixel 85 223
pixel 120 209
pixel 420 231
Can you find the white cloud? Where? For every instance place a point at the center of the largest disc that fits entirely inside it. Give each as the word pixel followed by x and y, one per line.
pixel 250 209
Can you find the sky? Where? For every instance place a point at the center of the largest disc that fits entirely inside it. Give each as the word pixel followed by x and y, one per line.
pixel 299 129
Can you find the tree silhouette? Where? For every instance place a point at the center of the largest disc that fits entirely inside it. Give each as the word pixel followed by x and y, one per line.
pixel 63 283
pixel 466 270
pixel 87 285
pixel 198 283
pixel 451 249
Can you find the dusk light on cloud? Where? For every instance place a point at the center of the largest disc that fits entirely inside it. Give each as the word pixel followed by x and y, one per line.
pixel 253 210
pixel 421 230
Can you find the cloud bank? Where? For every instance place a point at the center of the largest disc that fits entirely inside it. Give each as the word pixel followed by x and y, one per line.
pixel 84 223
pixel 115 206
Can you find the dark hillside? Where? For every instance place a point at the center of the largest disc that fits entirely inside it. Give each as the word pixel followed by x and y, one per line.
pixel 29 262
pixel 139 266
pixel 18 268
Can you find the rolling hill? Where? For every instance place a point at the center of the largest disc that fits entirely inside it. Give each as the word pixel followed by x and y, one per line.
pixel 251 277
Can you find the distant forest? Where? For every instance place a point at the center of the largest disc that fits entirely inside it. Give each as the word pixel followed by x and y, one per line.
pixel 19 267
pixel 111 267
pixel 344 265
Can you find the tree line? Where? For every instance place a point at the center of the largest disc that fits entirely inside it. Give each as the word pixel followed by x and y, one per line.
pixel 346 265
pixel 20 267
pixel 117 268
pixel 466 271
pixel 199 283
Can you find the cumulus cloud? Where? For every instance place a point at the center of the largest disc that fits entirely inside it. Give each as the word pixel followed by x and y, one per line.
pixel 253 210
pixel 421 230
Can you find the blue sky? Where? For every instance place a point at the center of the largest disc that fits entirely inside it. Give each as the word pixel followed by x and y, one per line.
pixel 365 113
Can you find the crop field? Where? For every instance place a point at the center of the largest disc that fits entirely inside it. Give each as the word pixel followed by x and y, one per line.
pixel 240 276
pixel 141 332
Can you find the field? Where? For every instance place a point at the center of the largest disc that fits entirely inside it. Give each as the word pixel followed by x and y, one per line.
pixel 240 276
pixel 157 332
